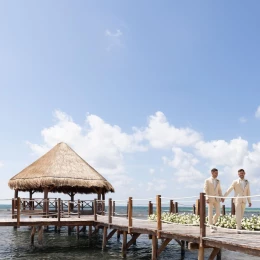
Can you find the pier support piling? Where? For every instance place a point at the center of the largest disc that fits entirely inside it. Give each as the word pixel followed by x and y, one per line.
pixel 154 247
pixel 32 235
pixel 124 242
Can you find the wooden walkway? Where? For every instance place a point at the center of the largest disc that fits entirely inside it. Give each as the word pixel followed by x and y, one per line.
pixel 196 237
pixel 227 239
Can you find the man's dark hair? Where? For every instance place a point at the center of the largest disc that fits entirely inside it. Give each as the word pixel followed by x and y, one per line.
pixel 214 170
pixel 241 170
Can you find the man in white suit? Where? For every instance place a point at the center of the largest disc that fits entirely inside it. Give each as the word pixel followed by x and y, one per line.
pixel 212 188
pixel 241 188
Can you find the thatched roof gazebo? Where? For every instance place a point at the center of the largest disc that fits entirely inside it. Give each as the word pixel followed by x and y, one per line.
pixel 60 170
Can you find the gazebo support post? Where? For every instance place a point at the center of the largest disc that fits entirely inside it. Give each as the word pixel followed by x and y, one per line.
pixel 15 203
pixel 45 197
pixel 30 201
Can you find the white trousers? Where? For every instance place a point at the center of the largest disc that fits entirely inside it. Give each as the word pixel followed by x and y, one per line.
pixel 240 209
pixel 211 205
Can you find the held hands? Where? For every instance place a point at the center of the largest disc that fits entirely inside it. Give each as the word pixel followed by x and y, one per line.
pixel 222 200
pixel 207 201
pixel 250 204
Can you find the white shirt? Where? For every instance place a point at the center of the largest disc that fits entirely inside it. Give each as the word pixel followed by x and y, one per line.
pixel 214 183
pixel 242 183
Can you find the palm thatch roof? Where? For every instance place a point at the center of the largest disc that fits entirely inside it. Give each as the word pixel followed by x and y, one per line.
pixel 60 170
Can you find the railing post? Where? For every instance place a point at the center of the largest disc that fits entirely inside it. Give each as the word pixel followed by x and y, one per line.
pixel 170 208
pixel 110 211
pixel 127 209
pixel 78 208
pixel 197 207
pixel 202 225
pixel 95 209
pixel 59 208
pixel 150 208
pixel 114 208
pixel 159 215
pixel 176 207
pixel 194 209
pixel 56 205
pixel 223 210
pixel 47 207
pixel 233 209
pixel 103 208
pixel 18 211
pixel 68 207
pixel 130 214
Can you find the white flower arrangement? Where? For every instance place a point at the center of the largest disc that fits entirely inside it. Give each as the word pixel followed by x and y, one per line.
pixel 227 221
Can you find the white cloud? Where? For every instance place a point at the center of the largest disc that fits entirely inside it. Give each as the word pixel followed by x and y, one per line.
pixel 100 144
pixel 220 152
pixel 156 185
pixel 1 164
pixel 151 171
pixel 114 39
pixel 242 120
pixel 184 165
pixel 257 113
pixel 161 134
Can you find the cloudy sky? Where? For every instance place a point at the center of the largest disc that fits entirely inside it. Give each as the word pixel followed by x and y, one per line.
pixel 151 94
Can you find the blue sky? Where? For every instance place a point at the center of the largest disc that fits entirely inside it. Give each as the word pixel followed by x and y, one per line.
pixel 152 94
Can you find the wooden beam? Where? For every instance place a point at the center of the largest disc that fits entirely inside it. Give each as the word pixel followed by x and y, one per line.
pixel 176 207
pixel 18 211
pixel 111 234
pixel 163 245
pixel 95 209
pixel 197 207
pixel 154 247
pixel 118 234
pixel 202 225
pixel 109 211
pixel 89 231
pixel 150 208
pixel 45 206
pixel 32 235
pixel 223 210
pixel 40 234
pixel 159 215
pixel 104 243
pixel 214 253
pixel 124 242
pixel 132 240
pixel 114 208
pixel 130 214
pixel 77 232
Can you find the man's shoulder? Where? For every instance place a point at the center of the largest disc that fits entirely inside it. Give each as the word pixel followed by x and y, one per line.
pixel 208 179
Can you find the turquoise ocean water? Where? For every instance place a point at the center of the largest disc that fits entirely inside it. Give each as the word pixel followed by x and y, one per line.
pixel 15 244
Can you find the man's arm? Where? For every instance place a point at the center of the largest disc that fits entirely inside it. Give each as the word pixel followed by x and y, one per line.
pixel 249 194
pixel 220 192
pixel 229 189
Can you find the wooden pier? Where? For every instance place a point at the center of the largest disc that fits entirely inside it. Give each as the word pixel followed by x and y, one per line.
pixel 196 237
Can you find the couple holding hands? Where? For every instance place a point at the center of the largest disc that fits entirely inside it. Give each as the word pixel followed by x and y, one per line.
pixel 212 188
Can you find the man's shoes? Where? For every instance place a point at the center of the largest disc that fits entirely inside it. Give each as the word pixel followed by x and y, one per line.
pixel 213 229
pixel 239 231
